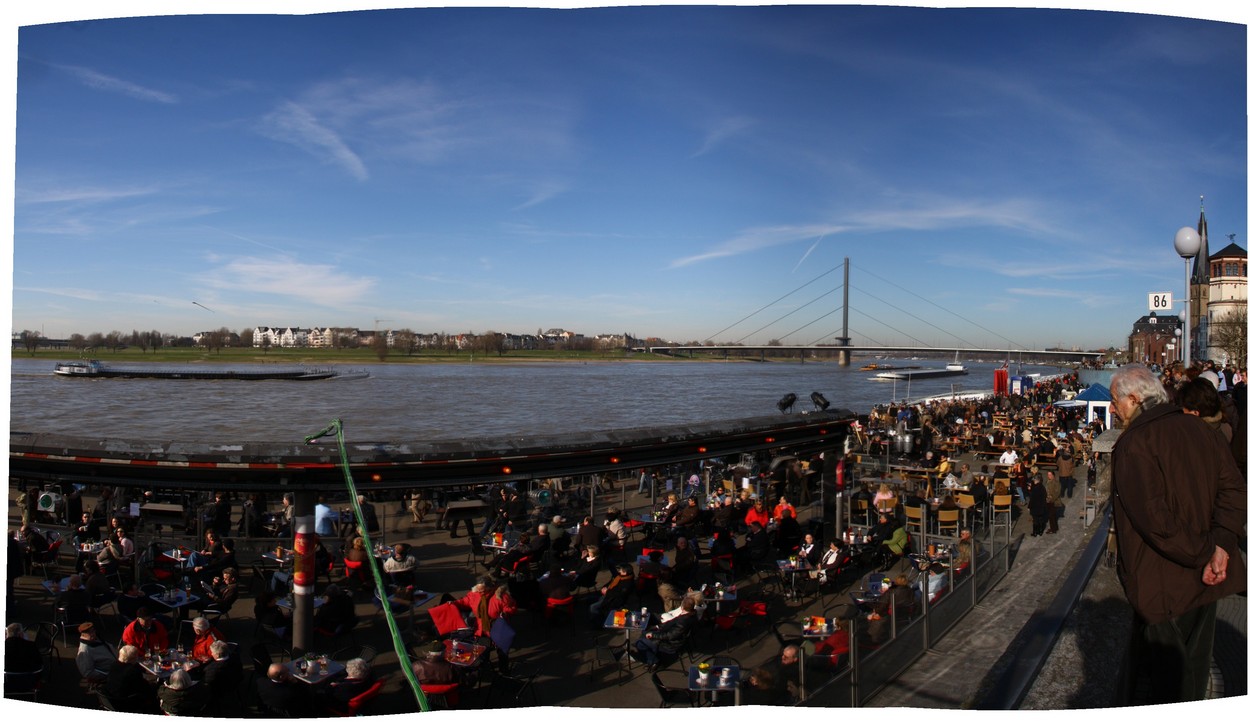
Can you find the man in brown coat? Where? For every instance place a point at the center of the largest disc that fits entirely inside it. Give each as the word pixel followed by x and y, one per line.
pixel 1180 514
pixel 1054 501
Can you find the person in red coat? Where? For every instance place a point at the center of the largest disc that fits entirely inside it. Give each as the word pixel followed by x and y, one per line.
pixel 146 633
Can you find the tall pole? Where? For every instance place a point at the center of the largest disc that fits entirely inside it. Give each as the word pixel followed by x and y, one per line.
pixel 1185 318
pixel 305 576
pixel 844 357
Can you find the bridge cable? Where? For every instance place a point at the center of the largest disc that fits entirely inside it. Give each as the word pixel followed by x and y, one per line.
pixel 791 313
pixel 758 310
pixel 924 321
pixel 898 330
pixel 809 323
pixel 932 303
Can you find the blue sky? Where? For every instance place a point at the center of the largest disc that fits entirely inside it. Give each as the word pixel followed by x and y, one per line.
pixel 997 177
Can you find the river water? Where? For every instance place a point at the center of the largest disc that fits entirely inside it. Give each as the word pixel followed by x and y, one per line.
pixel 453 401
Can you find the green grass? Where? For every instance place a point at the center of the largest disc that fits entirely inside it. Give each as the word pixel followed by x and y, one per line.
pixel 323 357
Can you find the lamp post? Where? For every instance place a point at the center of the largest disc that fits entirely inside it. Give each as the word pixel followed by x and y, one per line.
pixel 1187 243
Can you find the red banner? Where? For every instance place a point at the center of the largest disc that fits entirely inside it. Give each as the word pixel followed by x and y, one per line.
pixel 305 560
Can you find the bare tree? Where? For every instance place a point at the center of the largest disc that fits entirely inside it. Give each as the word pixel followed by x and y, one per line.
pixel 380 348
pixel 113 340
pixel 1229 334
pixel 31 339
pixel 77 341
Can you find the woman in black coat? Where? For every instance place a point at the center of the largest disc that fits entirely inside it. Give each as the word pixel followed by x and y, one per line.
pixel 1038 509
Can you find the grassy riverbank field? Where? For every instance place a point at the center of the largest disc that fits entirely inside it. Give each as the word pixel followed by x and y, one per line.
pixel 329 356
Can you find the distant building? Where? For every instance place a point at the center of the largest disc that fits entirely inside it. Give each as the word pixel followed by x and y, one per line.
pixel 1154 340
pixel 1226 305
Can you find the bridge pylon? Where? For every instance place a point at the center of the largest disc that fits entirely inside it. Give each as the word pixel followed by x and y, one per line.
pixel 844 356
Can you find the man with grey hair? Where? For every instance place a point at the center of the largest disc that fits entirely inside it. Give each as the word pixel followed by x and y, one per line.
pixel 357 681
pixel 1180 514
pixel 222 676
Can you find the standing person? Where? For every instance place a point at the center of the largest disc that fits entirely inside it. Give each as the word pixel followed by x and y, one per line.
pixel 219 514
pixel 1065 465
pixel 1054 501
pixel 323 525
pixel 1180 514
pixel 1039 508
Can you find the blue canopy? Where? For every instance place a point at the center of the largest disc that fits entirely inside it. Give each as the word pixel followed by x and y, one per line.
pixel 1097 392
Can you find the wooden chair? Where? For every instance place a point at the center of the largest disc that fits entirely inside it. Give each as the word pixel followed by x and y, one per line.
pixel 915 518
pixel 1002 510
pixel 948 521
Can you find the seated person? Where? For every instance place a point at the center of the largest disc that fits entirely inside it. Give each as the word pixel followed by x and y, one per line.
pixel 96 582
pixel 555 585
pixel 205 635
pixel 615 594
pixel 588 571
pixel 95 658
pixel 87 531
pixel 355 563
pixel 722 545
pixel 222 675
pixel 145 633
pixel 433 668
pixel 939 580
pixel 789 534
pixel 685 563
pixel 182 696
pixel 280 696
pixel 358 680
pixel 686 517
pixel 270 618
pixel 75 600
pixel 668 638
pixel 807 548
pixel 756 549
pixel 125 686
pixel 835 556
pixel 207 555
pixel 401 566
pixel 337 613
pixel 223 592
pixel 507 561
pixel 20 654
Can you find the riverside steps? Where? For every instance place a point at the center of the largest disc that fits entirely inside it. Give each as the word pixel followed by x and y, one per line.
pixel 983 662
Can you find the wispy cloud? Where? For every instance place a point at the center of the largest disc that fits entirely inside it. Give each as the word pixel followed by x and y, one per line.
pixel 913 214
pixel 754 239
pixel 107 83
pixel 318 284
pixel 541 193
pixel 78 293
pixel 294 124
pixel 26 194
pixel 723 131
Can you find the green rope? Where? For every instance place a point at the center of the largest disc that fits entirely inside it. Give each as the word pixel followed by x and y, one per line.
pixel 336 428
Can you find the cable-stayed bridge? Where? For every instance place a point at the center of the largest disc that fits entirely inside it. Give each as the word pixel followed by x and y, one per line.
pixel 843 348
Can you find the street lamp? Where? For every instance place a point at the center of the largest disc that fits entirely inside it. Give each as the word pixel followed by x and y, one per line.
pixel 1187 243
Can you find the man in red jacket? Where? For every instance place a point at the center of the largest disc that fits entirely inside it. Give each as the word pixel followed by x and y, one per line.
pixel 146 633
pixel 1180 515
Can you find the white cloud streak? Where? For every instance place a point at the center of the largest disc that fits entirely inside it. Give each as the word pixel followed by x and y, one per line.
pixel 294 124
pixel 313 283
pixel 109 84
pixel 723 131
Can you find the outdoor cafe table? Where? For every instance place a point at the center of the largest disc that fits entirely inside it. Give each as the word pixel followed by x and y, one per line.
pixel 288 557
pixel 87 551
pixel 327 669
pixel 462 653
pixel 174 599
pixel 168 662
pixel 785 566
pixel 718 679
pixel 288 602
pixel 818 628
pixel 54 587
pixel 718 596
pixel 627 621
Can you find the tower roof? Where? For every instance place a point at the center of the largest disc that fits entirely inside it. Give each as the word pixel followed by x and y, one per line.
pixel 1232 250
pixel 1202 271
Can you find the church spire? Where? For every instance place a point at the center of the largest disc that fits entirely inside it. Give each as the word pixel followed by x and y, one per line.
pixel 1202 271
